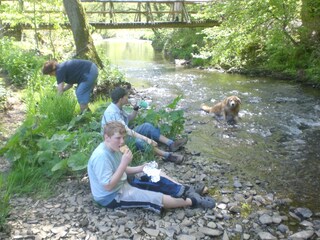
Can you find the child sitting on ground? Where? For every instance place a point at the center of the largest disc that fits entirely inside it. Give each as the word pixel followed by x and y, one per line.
pixel 108 169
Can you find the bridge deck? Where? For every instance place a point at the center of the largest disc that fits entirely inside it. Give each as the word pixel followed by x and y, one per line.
pixel 101 25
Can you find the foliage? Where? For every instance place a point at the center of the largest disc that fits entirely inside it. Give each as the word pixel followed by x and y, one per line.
pixel 20 65
pixel 280 37
pixel 169 120
pixel 260 35
pixel 176 45
pixel 4 202
pixel 29 12
pixel 55 110
pixel 246 210
pixel 245 27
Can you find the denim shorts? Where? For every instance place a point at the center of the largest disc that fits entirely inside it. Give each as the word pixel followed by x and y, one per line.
pixel 85 88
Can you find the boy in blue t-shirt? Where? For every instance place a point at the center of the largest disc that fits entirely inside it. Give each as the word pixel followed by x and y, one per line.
pixel 108 169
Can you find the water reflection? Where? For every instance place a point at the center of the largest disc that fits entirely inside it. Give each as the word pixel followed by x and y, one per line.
pixel 277 139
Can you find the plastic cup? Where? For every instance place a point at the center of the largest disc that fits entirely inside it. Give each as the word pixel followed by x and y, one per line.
pixel 143 104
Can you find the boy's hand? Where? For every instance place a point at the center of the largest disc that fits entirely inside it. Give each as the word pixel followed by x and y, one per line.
pixel 127 156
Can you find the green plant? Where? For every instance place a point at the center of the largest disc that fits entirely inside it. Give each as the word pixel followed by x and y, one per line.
pixel 4 202
pixel 246 210
pixel 170 121
pixel 21 65
pixel 55 110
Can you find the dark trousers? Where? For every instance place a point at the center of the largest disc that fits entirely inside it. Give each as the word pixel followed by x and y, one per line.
pixel 164 185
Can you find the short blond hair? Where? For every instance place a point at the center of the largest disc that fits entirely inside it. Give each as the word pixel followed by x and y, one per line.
pixel 114 127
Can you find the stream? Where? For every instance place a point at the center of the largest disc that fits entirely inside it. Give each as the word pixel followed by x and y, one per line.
pixel 277 138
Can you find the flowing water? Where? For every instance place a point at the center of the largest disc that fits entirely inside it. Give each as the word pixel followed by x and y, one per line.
pixel 277 139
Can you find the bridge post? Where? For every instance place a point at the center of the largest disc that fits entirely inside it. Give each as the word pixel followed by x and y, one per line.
pixel 104 11
pixel 177 9
pixel 137 17
pixel 111 13
pixel 185 13
pixel 149 13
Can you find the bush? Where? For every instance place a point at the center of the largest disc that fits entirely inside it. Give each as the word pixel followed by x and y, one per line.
pixel 170 121
pixel 21 65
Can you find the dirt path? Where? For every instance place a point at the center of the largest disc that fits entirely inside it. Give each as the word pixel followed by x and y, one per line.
pixel 11 117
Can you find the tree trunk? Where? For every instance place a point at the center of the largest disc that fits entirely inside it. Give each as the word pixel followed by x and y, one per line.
pixel 310 15
pixel 81 31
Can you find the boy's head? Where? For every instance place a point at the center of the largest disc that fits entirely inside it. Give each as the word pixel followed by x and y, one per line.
pixel 114 127
pixel 117 94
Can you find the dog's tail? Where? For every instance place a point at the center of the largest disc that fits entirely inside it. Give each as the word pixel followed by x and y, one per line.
pixel 205 108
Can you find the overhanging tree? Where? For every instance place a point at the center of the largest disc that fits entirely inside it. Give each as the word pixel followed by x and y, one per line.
pixel 85 47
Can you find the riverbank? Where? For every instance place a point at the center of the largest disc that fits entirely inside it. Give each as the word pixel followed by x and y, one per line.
pixel 245 210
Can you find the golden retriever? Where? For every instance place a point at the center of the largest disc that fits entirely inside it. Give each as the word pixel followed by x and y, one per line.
pixel 228 108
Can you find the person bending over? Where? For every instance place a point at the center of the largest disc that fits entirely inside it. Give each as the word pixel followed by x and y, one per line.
pixel 108 169
pixel 145 135
pixel 84 73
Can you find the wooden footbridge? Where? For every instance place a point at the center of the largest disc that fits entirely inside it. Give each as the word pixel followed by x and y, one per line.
pixel 105 14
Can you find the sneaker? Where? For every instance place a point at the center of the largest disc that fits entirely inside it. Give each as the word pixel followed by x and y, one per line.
pixel 203 202
pixel 175 158
pixel 198 188
pixel 177 144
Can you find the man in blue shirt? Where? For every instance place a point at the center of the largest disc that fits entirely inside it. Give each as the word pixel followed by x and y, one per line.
pixel 76 71
pixel 146 134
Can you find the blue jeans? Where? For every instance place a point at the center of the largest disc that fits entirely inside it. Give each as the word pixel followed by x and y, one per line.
pixel 85 88
pixel 148 130
pixel 164 185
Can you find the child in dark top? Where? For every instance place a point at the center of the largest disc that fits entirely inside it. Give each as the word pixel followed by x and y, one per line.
pixel 76 71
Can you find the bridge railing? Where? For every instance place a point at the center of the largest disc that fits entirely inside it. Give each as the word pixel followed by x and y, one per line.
pixel 104 13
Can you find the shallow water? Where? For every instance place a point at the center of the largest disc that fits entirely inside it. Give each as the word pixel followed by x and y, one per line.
pixel 277 139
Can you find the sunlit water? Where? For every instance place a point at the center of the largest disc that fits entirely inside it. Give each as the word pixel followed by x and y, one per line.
pixel 276 140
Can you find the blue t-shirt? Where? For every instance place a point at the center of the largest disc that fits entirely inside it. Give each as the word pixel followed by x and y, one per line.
pixel 101 167
pixel 73 71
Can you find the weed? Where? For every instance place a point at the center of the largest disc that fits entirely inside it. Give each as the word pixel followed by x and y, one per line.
pixel 246 210
pixel 169 120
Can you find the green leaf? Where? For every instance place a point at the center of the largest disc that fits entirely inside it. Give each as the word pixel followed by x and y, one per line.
pixel 174 103
pixel 78 161
pixel 60 165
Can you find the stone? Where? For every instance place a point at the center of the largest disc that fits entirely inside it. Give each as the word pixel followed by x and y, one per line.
pixel 266 236
pixel 302 235
pixel 151 232
pixel 265 219
pixel 303 213
pixel 210 232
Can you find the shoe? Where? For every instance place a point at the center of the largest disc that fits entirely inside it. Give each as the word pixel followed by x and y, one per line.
pixel 175 158
pixel 198 188
pixel 177 144
pixel 202 202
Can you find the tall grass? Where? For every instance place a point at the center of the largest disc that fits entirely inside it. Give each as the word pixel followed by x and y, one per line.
pixel 55 110
pixel 5 194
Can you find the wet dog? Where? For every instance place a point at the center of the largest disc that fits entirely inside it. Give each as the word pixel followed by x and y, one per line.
pixel 228 109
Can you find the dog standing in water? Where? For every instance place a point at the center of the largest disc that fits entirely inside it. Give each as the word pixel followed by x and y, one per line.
pixel 228 109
